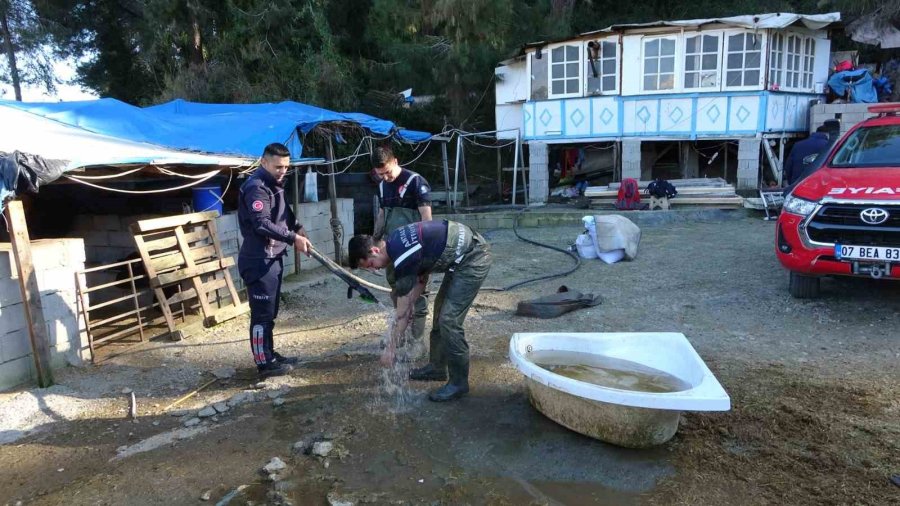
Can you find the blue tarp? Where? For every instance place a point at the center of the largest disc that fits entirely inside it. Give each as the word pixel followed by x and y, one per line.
pixel 859 82
pixel 228 129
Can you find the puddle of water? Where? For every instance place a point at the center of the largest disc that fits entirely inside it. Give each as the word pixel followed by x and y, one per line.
pixel 607 371
pixel 394 392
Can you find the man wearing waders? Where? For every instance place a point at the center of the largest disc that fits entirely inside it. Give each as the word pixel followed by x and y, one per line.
pixel 404 197
pixel 413 252
pixel 268 226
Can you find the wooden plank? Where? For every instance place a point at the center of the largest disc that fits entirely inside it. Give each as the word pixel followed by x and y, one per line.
pixel 181 274
pixel 176 258
pixel 214 235
pixel 152 276
pixel 195 280
pixel 686 200
pixel 31 294
pixel 227 314
pixel 190 293
pixel 728 190
pixel 172 242
pixel 699 181
pixel 181 220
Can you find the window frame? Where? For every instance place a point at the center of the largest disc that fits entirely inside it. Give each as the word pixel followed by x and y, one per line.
pixel 676 65
pixel 808 69
pixel 616 64
pixel 699 71
pixel 762 68
pixel 580 79
pixel 805 69
pixel 776 67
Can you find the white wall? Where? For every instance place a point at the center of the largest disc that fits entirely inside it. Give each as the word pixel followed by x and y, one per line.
pixel 512 83
pixel 508 116
pixel 55 262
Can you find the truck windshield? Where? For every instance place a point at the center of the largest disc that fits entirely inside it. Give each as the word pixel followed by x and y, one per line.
pixel 877 146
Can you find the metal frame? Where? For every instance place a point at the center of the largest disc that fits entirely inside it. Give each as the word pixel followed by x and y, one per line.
pixel 518 165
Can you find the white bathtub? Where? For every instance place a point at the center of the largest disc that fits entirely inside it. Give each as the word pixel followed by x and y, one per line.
pixel 622 417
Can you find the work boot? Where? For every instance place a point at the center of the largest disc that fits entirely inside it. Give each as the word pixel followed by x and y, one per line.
pixel 274 369
pixel 428 373
pixel 457 386
pixel 281 359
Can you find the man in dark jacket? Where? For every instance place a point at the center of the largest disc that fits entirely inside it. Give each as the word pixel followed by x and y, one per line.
pixel 268 226
pixel 801 155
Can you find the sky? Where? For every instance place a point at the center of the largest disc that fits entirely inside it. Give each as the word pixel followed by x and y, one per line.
pixel 65 71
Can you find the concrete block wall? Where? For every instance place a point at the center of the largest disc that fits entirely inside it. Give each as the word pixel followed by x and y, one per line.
pixel 847 114
pixel 631 159
pixel 55 263
pixel 748 164
pixel 107 237
pixel 539 173
pixel 230 239
pixel 316 219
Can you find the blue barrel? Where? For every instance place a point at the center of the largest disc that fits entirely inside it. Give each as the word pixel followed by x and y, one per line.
pixel 207 198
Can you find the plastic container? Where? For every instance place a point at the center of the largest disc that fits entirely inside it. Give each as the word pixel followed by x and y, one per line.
pixel 207 198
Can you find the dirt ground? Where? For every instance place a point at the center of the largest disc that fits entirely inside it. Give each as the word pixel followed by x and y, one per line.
pixel 815 413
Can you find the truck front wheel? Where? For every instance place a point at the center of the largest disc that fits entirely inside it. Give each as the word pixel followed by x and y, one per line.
pixel 804 287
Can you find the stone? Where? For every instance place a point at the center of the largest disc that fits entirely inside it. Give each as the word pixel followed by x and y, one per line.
pixel 192 422
pixel 322 448
pixel 180 412
pixel 156 424
pixel 223 372
pixel 205 496
pixel 274 394
pixel 275 465
pixel 240 398
pixel 299 447
pixel 121 448
pixel 221 407
pixel 336 500
pixel 126 391
pixel 206 412
pixel 278 402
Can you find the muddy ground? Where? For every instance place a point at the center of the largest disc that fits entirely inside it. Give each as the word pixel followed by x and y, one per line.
pixel 814 384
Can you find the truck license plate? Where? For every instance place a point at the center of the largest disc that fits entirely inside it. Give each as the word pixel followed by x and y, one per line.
pixel 872 253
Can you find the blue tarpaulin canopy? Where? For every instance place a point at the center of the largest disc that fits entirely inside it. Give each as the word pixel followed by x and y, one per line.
pixel 224 129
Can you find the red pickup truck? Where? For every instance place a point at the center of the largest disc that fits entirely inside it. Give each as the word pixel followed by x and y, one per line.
pixel 844 218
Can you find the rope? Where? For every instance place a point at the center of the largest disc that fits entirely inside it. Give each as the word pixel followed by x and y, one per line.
pixel 113 176
pixel 206 177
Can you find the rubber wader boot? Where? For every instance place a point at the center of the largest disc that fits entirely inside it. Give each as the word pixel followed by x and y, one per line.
pixel 458 384
pixel 428 373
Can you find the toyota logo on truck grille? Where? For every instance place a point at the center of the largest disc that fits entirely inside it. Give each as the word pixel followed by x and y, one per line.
pixel 874 216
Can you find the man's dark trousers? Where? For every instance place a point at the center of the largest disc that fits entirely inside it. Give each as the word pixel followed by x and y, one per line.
pixel 263 281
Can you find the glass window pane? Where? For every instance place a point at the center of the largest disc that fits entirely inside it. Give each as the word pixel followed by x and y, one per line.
pixel 651 66
pixel 667 64
pixel 751 78
pixel 735 43
pixel 558 87
pixel 609 83
pixel 733 78
pixel 571 85
pixel 571 70
pixel 735 60
pixel 753 42
pixel 752 60
pixel 668 46
pixel 650 83
pixel 609 67
pixel 538 78
pixel 609 50
pixel 690 45
pixel 710 62
pixel 709 79
pixel 572 53
pixel 691 80
pixel 710 43
pixel 690 62
pixel 651 47
pixel 666 81
pixel 557 72
pixel 558 53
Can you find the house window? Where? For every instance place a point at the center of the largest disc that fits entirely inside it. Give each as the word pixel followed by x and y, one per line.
pixel 701 61
pixel 565 75
pixel 792 62
pixel 776 61
pixel 809 56
pixel 659 64
pixel 602 67
pixel 743 61
pixel 538 76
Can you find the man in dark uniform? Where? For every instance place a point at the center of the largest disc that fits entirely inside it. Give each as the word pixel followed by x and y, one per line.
pixel 413 252
pixel 404 197
pixel 804 155
pixel 268 226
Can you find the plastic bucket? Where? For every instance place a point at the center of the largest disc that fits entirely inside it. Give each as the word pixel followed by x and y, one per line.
pixel 207 198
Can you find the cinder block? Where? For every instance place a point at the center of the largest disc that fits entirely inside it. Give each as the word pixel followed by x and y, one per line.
pixel 16 372
pixel 107 222
pixel 10 292
pixel 12 318
pixel 14 345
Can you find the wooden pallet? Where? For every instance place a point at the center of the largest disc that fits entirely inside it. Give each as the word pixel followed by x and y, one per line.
pixel 185 250
pixel 722 202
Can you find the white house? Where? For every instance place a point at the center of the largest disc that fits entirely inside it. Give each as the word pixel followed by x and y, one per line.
pixel 637 90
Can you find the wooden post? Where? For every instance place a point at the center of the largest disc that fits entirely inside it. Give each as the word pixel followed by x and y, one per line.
pixel 297 213
pixel 31 294
pixel 332 196
pixel 500 176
